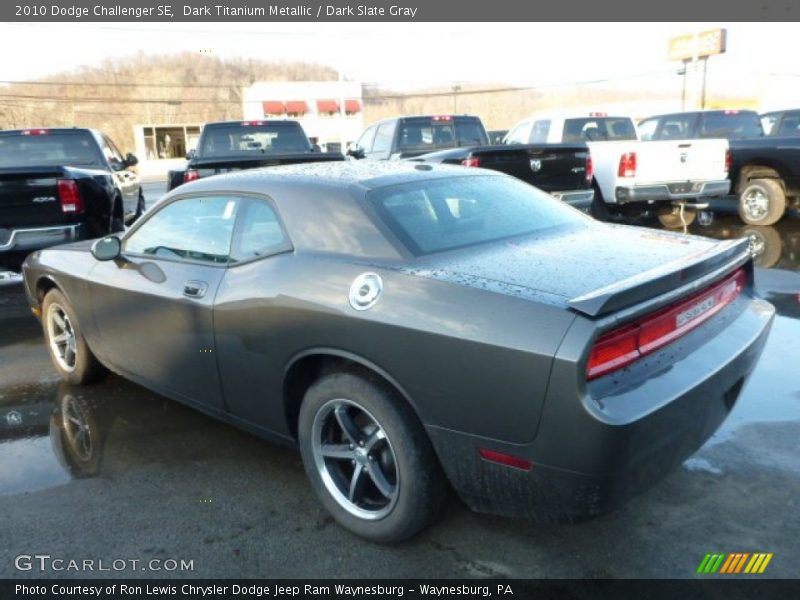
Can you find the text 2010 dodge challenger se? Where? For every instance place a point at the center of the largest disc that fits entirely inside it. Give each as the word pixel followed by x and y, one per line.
pixel 410 326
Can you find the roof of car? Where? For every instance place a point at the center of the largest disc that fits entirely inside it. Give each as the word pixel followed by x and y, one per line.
pixel 241 121
pixel 365 174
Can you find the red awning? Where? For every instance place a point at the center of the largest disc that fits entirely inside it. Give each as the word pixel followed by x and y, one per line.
pixel 352 106
pixel 274 108
pixel 327 106
pixel 296 106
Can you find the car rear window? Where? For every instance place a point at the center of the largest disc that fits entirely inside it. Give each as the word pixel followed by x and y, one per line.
pixel 598 129
pixel 731 126
pixel 49 149
pixel 255 139
pixel 443 214
pixel 440 133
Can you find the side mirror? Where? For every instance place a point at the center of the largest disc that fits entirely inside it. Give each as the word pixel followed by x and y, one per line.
pixel 107 248
pixel 355 152
pixel 190 154
pixel 131 160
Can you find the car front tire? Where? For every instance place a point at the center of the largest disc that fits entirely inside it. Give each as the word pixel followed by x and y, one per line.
pixel 68 349
pixel 369 460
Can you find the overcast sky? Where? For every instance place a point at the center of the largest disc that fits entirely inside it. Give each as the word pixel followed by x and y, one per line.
pixel 410 55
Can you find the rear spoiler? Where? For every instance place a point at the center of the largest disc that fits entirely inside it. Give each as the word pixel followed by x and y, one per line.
pixel 723 257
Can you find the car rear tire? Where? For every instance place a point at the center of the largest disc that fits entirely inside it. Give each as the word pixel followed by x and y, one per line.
pixel 762 202
pixel 68 349
pixel 671 217
pixel 369 460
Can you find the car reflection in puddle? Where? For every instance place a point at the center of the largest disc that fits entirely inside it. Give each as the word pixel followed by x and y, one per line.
pixel 51 434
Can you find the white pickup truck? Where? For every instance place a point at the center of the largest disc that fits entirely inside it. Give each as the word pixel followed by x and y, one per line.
pixel 668 178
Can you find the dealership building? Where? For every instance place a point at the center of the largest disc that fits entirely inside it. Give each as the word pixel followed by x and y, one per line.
pixel 331 112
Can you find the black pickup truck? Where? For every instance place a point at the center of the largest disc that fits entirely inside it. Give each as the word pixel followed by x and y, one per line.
pixel 562 170
pixel 235 145
pixel 408 137
pixel 61 185
pixel 764 170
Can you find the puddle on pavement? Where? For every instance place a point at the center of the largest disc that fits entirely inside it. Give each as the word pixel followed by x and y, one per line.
pixel 54 433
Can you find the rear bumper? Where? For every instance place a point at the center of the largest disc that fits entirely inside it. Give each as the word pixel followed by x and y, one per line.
pixel 595 451
pixel 580 199
pixel 36 238
pixel 673 191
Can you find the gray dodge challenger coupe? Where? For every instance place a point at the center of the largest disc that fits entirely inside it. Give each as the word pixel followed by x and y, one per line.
pixel 414 328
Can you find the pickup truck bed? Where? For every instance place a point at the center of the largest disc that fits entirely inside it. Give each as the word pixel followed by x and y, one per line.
pixel 58 186
pixel 562 170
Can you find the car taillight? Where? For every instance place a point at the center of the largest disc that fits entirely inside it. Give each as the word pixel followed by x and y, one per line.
pixel 35 132
pixel 472 161
pixel 627 165
pixel 728 160
pixel 589 168
pixel 442 118
pixel 69 196
pixel 620 347
pixel 190 175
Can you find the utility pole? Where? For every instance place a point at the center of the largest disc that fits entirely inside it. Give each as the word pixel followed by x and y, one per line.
pixel 683 89
pixel 703 89
pixel 456 89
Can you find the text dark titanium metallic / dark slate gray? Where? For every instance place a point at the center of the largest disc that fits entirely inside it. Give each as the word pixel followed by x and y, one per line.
pixel 411 325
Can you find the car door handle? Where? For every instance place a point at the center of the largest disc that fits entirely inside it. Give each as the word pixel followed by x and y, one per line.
pixel 195 289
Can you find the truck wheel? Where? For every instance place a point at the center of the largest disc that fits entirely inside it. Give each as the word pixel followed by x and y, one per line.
pixel 368 458
pixel 69 351
pixel 762 202
pixel 671 217
pixel 765 245
pixel 139 206
pixel 117 223
pixel 599 210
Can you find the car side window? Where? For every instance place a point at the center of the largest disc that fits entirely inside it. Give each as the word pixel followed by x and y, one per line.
pixel 768 122
pixel 383 137
pixel 113 156
pixel 540 131
pixel 195 229
pixel 676 127
pixel 365 141
pixel 259 232
pixel 790 125
pixel 647 129
pixel 519 134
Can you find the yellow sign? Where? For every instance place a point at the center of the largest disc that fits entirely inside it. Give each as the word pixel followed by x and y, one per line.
pixel 697 45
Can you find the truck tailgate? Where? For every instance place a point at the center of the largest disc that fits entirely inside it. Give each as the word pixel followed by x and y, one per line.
pixel 548 166
pixel 29 197
pixel 217 165
pixel 681 161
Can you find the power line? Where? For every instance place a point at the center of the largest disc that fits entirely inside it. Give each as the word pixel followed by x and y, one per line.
pixel 127 84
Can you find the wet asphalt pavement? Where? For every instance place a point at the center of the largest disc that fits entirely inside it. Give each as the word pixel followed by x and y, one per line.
pixel 113 471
